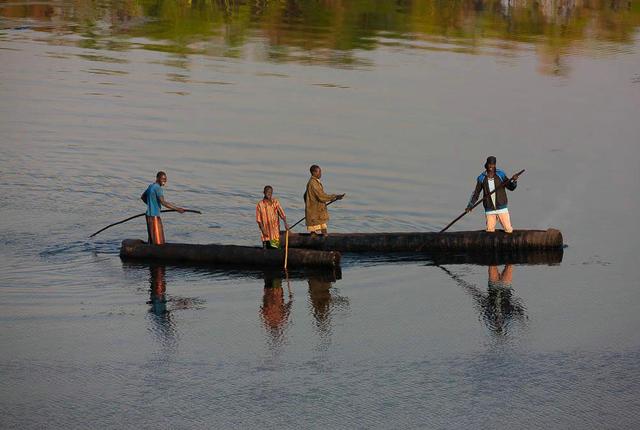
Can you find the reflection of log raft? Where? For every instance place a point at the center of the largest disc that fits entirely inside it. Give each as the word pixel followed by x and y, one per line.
pixel 483 258
pixel 229 255
pixel 233 271
pixel 463 241
pixel 533 257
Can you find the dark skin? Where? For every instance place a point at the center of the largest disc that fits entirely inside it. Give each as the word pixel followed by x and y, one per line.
pixel 491 173
pixel 162 181
pixel 268 197
pixel 491 170
pixel 317 173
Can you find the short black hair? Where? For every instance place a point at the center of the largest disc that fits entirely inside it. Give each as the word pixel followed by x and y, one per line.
pixel 159 174
pixel 267 187
pixel 490 160
pixel 313 168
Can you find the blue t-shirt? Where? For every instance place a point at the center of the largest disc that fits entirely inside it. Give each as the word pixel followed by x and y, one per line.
pixel 154 192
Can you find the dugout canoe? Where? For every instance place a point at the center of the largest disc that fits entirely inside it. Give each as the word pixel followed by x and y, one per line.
pixel 451 242
pixel 227 255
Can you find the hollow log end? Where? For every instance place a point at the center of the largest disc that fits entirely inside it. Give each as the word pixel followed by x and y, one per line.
pixel 555 237
pixel 128 245
pixel 336 257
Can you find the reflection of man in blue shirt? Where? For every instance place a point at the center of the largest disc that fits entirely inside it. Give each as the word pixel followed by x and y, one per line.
pixel 154 198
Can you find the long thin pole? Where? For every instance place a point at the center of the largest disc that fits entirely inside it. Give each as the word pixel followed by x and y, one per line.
pixel 286 249
pixel 502 185
pixel 139 215
pixel 303 218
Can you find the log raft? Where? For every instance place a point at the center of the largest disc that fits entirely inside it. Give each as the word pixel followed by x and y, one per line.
pixel 463 241
pixel 227 255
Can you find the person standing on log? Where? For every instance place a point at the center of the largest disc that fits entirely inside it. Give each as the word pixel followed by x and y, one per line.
pixel 315 203
pixel 154 198
pixel 268 215
pixel 495 206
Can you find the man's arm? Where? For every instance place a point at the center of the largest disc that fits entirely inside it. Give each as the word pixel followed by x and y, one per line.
pixel 260 223
pixel 262 229
pixel 509 184
pixel 282 215
pixel 169 205
pixel 320 195
pixel 474 196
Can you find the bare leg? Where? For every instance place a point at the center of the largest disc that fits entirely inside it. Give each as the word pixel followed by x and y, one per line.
pixel 507 274
pixel 505 220
pixel 491 223
pixel 493 274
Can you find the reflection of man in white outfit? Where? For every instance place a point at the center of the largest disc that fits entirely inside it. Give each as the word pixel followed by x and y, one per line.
pixel 501 280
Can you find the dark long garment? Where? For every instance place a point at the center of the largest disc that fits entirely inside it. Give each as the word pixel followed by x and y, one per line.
pixel 155 230
pixel 315 203
pixel 482 184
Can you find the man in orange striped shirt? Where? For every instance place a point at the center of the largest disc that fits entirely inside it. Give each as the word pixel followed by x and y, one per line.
pixel 268 214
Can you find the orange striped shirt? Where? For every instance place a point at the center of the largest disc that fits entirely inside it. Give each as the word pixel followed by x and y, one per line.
pixel 268 214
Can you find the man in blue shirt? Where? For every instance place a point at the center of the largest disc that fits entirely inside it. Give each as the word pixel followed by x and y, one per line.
pixel 495 203
pixel 154 198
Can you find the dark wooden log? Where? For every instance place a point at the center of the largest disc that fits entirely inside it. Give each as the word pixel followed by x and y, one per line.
pixel 463 241
pixel 227 255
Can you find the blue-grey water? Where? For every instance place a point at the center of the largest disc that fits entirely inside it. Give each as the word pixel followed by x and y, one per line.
pixel 400 103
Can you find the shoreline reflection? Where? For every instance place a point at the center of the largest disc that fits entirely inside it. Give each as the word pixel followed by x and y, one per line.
pixel 331 34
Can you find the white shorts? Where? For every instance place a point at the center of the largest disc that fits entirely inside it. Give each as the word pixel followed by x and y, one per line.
pixel 316 228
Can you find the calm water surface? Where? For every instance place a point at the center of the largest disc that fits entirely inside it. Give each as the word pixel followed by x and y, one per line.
pixel 400 103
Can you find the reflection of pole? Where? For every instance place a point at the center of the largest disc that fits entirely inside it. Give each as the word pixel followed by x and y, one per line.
pixel 458 279
pixel 286 258
pixel 288 285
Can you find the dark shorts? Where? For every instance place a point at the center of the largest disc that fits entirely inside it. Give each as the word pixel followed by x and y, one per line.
pixel 267 245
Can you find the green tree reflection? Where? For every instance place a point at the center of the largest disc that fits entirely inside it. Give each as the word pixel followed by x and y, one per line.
pixel 334 31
